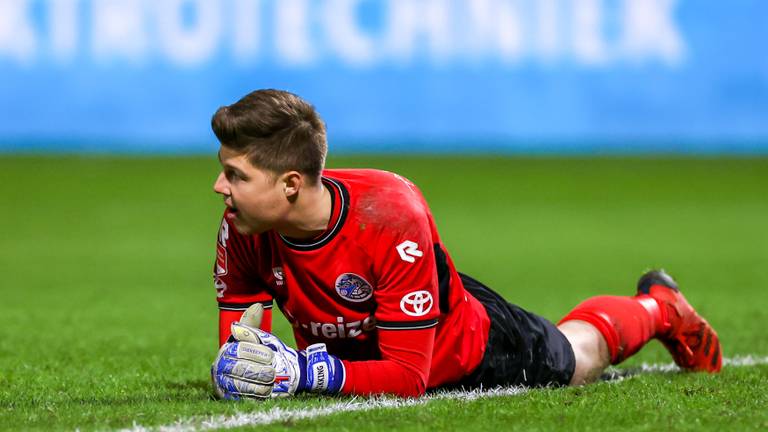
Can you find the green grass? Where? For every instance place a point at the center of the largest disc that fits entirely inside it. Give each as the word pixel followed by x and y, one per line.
pixel 107 314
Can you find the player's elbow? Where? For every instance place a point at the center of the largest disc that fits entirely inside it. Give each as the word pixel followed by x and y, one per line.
pixel 417 385
pixel 417 391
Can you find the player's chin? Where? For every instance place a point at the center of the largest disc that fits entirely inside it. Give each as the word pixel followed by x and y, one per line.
pixel 245 227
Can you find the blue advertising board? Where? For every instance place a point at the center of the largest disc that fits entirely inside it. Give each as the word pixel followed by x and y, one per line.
pixel 398 75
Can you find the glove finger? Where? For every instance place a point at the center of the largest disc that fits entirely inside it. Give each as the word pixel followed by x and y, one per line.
pixel 244 333
pixel 249 351
pixel 246 370
pixel 253 315
pixel 232 388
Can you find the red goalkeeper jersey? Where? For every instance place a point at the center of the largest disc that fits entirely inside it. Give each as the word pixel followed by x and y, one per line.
pixel 377 287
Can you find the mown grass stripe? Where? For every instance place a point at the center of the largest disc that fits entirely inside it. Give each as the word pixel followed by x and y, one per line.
pixel 277 415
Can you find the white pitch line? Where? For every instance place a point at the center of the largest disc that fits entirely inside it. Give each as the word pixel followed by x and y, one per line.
pixel 278 414
pixel 737 361
pixel 619 374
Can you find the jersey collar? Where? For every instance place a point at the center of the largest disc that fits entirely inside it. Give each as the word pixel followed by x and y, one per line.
pixel 339 210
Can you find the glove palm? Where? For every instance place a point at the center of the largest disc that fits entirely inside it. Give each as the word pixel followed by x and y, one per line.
pixel 254 363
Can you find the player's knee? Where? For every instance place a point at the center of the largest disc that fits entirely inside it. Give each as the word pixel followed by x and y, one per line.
pixel 589 349
pixel 587 368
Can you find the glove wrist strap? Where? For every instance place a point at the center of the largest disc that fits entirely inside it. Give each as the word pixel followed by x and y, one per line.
pixel 324 372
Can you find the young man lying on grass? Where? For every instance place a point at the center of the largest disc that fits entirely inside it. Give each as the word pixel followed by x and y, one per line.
pixel 353 259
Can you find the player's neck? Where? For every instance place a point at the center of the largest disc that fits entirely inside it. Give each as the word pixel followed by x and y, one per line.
pixel 310 214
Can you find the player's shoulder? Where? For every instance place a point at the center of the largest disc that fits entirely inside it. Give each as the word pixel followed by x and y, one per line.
pixel 385 183
pixel 382 198
pixel 363 176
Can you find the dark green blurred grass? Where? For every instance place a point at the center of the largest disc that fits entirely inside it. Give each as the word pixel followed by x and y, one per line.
pixel 108 317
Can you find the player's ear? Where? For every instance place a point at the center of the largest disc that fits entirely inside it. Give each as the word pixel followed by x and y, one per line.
pixel 292 182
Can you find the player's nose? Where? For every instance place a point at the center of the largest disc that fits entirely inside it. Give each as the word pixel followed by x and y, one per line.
pixel 221 185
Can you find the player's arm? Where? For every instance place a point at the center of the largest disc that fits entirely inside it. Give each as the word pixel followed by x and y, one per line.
pixel 253 363
pixel 403 370
pixel 237 284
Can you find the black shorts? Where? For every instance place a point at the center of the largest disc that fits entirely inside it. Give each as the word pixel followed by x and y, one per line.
pixel 523 348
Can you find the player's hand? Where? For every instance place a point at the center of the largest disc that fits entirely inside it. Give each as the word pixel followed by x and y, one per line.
pixel 256 364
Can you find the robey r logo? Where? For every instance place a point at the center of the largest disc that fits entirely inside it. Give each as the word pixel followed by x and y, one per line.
pixel 409 251
pixel 417 303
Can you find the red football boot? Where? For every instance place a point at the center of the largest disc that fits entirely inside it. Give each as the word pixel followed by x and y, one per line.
pixel 690 339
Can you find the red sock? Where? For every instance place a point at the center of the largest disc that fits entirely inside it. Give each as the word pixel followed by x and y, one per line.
pixel 626 323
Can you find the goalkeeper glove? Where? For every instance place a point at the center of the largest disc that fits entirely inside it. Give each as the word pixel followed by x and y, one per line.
pixel 257 364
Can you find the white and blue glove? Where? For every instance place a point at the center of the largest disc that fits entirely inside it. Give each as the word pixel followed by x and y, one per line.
pixel 256 364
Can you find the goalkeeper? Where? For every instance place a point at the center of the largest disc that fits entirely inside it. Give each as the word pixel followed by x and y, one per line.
pixel 354 261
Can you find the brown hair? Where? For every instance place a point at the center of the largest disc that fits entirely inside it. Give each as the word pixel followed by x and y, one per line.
pixel 277 130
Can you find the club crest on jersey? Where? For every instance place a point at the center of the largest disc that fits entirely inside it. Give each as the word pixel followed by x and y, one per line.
pixel 353 287
pixel 417 303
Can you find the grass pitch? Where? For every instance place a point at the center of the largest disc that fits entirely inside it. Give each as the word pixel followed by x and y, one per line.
pixel 108 319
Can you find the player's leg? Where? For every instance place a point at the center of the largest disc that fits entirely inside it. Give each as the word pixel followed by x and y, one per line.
pixel 605 330
pixel 589 349
pixel 608 329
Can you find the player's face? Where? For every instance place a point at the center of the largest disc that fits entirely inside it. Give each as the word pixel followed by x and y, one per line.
pixel 255 197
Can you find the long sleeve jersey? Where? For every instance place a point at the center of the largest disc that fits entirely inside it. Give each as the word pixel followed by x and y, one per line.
pixel 377 287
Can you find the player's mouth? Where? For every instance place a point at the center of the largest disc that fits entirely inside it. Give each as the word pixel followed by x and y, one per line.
pixel 232 215
pixel 231 207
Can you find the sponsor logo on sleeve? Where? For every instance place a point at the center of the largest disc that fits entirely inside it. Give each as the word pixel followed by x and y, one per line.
pixel 223 233
pixel 221 260
pixel 279 275
pixel 417 303
pixel 353 287
pixel 409 251
pixel 220 286
pixel 220 270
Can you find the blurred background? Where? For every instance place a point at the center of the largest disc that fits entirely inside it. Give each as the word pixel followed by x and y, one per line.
pixel 564 147
pixel 490 76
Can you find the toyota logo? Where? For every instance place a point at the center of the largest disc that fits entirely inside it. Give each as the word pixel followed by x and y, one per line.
pixel 417 303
